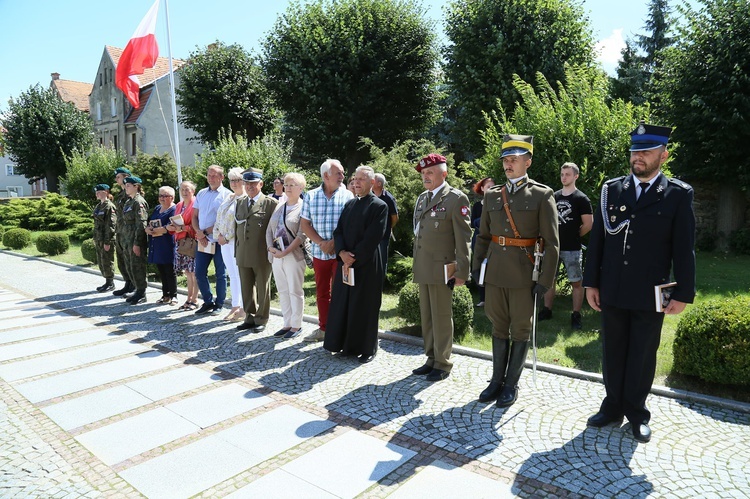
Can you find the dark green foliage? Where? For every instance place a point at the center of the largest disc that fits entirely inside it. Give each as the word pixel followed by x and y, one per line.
pixel 712 341
pixel 53 212
pixel 399 271
pixel 85 170
pixel 630 84
pixel 41 130
pixel 156 170
pixel 346 69
pixel 52 243
pixel 493 40
pixel 17 238
pixel 706 86
pixel 739 241
pixel 463 308
pixel 88 250
pixel 574 123
pixel 81 231
pixel 705 239
pixel 222 87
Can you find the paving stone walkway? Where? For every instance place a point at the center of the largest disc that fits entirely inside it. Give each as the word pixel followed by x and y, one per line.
pixel 102 399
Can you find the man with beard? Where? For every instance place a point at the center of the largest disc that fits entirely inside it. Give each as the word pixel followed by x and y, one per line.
pixel 644 227
pixel 355 306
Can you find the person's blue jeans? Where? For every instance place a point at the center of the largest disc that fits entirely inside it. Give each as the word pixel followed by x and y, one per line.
pixel 202 261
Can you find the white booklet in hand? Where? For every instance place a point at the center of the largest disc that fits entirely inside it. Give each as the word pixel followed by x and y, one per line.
pixel 662 295
pixel 209 248
pixel 482 270
pixel 347 275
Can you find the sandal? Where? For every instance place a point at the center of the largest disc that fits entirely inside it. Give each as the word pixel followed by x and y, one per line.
pixel 192 306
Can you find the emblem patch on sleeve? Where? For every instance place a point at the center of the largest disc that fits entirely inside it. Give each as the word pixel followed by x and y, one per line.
pixel 465 211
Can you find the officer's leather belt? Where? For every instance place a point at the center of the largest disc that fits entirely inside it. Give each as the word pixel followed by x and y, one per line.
pixel 513 241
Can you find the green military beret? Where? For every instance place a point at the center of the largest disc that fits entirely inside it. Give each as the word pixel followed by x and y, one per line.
pixel 101 187
pixel 132 180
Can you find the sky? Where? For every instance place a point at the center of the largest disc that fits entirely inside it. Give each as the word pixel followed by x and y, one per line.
pixel 40 37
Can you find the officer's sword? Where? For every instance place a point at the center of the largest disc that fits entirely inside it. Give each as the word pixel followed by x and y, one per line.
pixel 538 254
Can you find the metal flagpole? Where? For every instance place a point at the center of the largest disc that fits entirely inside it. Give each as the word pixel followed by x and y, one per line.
pixel 172 96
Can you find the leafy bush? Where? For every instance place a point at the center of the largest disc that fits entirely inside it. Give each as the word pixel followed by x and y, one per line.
pixel 51 213
pixel 52 243
pixel 463 308
pixel 399 271
pixel 17 239
pixel 705 239
pixel 82 230
pixel 713 341
pixel 155 170
pixel 85 170
pixel 739 241
pixel 88 250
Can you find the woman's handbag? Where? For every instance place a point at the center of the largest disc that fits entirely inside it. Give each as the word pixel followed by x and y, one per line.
pixel 187 246
pixel 306 248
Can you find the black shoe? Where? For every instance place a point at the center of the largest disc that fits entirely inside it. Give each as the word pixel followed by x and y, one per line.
pixel 206 308
pixel 544 314
pixel 421 371
pixel 492 392
pixel 437 375
pixel 216 309
pixel 259 328
pixel 600 419
pixel 575 320
pixel 366 359
pixel 508 396
pixel 107 286
pixel 127 288
pixel 138 297
pixel 280 333
pixel 245 325
pixel 641 432
pixel 292 333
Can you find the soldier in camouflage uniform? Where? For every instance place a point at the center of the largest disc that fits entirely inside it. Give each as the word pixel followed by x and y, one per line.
pixel 120 175
pixel 134 220
pixel 104 236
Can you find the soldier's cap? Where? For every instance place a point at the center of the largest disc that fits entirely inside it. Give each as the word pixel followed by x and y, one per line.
pixel 516 145
pixel 101 187
pixel 252 175
pixel 122 170
pixel 430 160
pixel 646 137
pixel 132 180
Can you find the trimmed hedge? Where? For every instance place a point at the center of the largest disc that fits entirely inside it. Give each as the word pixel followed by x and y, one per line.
pixel 463 308
pixel 399 271
pixel 52 243
pixel 88 250
pixel 713 341
pixel 17 239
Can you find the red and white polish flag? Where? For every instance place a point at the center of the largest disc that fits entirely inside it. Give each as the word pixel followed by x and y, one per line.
pixel 140 54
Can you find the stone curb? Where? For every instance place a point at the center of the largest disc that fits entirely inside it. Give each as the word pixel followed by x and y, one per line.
pixel 659 390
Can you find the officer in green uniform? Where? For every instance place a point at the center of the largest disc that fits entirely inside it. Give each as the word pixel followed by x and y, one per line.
pixel 134 220
pixel 442 235
pixel 104 236
pixel 121 252
pixel 515 216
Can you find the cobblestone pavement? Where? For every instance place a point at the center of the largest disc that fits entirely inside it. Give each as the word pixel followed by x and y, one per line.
pixel 99 398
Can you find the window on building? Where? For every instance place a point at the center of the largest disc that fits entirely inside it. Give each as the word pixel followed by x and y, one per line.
pixel 114 142
pixel 98 111
pixel 114 106
pixel 132 144
pixel 15 191
pixel 100 79
pixel 10 170
pixel 101 141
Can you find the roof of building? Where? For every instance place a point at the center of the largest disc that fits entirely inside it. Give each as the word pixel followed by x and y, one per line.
pixel 76 92
pixel 152 74
pixel 135 112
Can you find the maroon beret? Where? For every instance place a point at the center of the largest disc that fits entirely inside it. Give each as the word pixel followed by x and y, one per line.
pixel 430 160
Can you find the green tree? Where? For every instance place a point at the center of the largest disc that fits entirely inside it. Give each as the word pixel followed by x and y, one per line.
pixel 155 170
pixel 222 87
pixel 630 83
pixel 706 84
pixel 347 69
pixel 86 169
pixel 575 123
pixel 41 130
pixel 491 40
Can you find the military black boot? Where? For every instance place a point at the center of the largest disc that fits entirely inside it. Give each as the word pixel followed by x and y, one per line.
pixel 518 351
pixel 109 285
pixel 138 297
pixel 499 363
pixel 127 288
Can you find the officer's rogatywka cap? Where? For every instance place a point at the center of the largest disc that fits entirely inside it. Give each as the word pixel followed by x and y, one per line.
pixel 646 137
pixel 101 187
pixel 122 170
pixel 132 180
pixel 516 145
pixel 252 175
pixel 430 160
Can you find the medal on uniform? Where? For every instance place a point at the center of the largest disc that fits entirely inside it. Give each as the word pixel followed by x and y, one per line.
pixel 660 188
pixel 437 224
pixel 612 219
pixel 432 213
pixel 622 208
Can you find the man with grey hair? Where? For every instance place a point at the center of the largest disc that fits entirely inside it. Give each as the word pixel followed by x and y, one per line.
pixel 320 215
pixel 355 307
pixel 378 188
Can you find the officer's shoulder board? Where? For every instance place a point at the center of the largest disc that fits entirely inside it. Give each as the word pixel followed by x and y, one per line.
pixel 680 183
pixel 614 180
pixel 544 187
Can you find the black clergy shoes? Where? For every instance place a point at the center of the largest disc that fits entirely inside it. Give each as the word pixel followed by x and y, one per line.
pixel 421 371
pixel 437 375
pixel 642 432
pixel 245 326
pixel 600 419
pixel 366 359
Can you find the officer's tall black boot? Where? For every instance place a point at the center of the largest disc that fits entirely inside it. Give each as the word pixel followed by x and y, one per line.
pixel 127 288
pixel 518 351
pixel 499 364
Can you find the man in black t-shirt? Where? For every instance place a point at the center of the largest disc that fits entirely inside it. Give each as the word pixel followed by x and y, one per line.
pixel 575 219
pixel 378 188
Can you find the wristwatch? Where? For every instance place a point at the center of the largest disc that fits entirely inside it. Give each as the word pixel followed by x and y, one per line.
pixel 205 233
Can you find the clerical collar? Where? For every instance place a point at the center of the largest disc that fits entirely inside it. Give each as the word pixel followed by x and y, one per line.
pixel 514 184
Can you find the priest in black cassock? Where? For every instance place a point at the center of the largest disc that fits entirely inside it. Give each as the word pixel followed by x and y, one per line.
pixel 352 327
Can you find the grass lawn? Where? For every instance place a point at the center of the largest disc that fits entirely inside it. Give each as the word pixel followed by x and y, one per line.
pixel 718 275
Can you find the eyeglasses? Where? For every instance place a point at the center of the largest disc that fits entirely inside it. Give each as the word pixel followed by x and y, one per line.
pixel 235 180
pixel 166 196
pixel 287 186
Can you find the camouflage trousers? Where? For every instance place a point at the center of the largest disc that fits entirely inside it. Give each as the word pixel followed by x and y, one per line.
pixel 136 266
pixel 121 255
pixel 105 259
